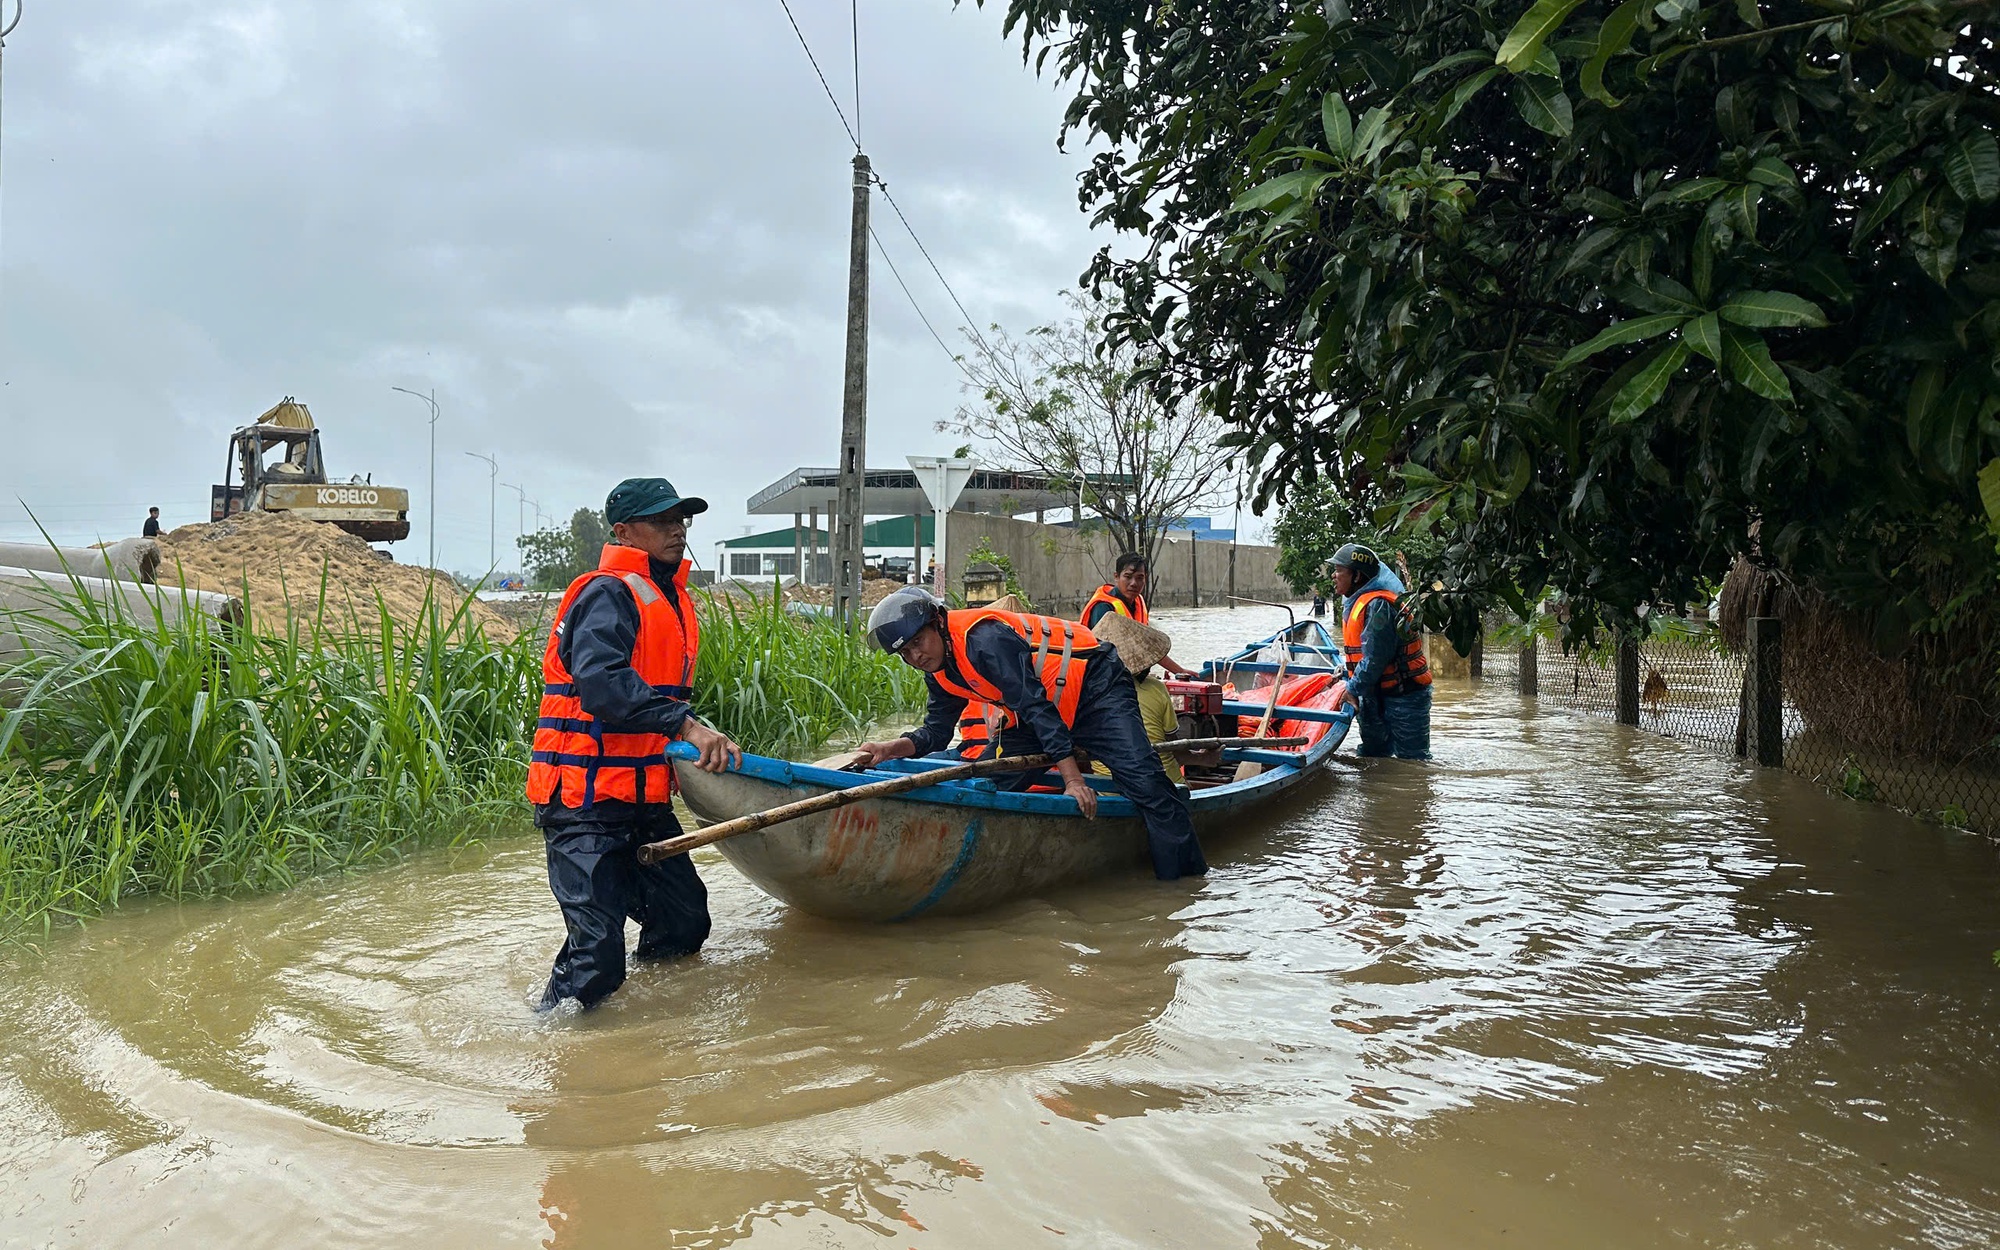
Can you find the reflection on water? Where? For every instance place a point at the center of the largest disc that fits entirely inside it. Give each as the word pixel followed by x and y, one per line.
pixel 1568 986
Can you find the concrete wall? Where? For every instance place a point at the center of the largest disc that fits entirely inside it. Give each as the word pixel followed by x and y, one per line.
pixel 1060 568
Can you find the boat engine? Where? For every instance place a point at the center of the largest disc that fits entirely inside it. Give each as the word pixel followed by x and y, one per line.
pixel 1198 705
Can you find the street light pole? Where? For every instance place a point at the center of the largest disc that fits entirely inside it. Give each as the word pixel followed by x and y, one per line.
pixel 520 514
pixel 432 506
pixel 492 478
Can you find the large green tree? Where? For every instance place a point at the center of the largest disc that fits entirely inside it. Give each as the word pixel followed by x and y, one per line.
pixel 1609 293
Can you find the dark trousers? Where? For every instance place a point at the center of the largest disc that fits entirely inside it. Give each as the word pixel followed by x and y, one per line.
pixel 596 876
pixel 1397 724
pixel 1109 727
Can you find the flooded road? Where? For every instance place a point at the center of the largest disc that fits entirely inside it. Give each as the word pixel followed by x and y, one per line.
pixel 1569 986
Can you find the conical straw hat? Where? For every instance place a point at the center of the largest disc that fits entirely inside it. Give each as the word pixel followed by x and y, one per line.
pixel 1140 646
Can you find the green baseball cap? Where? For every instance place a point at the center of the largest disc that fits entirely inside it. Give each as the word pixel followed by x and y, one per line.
pixel 646 496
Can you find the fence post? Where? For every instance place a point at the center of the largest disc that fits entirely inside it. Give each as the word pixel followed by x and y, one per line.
pixel 1764 678
pixel 1476 662
pixel 1628 681
pixel 1531 667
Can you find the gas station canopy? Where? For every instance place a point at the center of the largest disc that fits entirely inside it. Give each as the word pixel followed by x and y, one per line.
pixel 898 492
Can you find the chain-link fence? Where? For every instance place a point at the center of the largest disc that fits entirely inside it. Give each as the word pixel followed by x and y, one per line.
pixel 1684 684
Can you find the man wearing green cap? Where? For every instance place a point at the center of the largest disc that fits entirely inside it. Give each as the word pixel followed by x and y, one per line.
pixel 616 677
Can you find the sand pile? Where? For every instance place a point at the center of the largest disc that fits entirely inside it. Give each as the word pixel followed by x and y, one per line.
pixel 277 562
pixel 873 591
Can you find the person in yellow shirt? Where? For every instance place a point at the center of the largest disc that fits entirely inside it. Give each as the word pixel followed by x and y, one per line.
pixel 1142 647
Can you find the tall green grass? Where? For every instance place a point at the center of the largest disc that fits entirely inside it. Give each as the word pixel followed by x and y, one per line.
pixel 783 684
pixel 154 755
pixel 149 754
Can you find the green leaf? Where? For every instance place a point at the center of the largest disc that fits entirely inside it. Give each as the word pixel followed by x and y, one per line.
pixel 1462 94
pixel 1989 493
pixel 1704 334
pixel 1972 165
pixel 1618 334
pixel 1647 385
pixel 1772 172
pixel 1338 123
pixel 1300 182
pixel 1544 105
pixel 1370 131
pixel 1456 60
pixel 1519 48
pixel 1747 10
pixel 1693 191
pixel 1601 204
pixel 1594 244
pixel 1742 202
pixel 1919 403
pixel 1656 292
pixel 1892 198
pixel 1749 361
pixel 1613 37
pixel 1772 309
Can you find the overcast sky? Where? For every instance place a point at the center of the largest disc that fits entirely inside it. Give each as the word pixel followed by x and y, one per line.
pixel 613 236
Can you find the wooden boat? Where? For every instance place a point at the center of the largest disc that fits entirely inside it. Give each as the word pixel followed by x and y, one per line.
pixel 962 846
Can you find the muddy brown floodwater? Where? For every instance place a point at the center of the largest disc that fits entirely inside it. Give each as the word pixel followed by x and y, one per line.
pixel 1569 986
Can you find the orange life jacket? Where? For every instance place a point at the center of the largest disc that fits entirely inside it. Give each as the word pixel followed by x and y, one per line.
pixel 976 739
pixel 571 749
pixel 1408 668
pixel 1059 647
pixel 1105 594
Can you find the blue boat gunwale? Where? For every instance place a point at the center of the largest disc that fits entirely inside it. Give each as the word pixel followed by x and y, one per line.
pixel 1284 767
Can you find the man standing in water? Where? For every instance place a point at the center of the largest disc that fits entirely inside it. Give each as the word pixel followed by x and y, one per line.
pixel 1388 677
pixel 616 674
pixel 1067 691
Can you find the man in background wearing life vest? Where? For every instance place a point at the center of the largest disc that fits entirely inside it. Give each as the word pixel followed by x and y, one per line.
pixel 616 679
pixel 1067 690
pixel 1125 594
pixel 1388 678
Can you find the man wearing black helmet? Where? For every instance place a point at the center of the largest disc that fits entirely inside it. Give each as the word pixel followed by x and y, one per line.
pixel 1067 689
pixel 1388 676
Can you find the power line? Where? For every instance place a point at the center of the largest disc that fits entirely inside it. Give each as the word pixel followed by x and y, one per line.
pixel 830 98
pixel 917 308
pixel 971 327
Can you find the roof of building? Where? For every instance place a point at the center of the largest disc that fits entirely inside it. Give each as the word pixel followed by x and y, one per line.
pixel 897 491
pixel 889 532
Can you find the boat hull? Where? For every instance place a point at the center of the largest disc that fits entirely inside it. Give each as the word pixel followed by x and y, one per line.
pixel 963 846
pixel 893 859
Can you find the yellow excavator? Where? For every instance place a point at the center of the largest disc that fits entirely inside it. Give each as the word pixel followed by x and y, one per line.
pixel 278 462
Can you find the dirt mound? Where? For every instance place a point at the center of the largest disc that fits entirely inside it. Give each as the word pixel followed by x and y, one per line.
pixel 873 591
pixel 278 562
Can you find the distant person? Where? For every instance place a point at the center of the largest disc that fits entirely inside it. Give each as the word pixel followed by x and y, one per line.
pixel 151 529
pixel 1388 678
pixel 616 673
pixel 1319 603
pixel 1125 594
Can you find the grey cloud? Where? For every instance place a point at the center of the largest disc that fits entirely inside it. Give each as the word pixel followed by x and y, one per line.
pixel 612 236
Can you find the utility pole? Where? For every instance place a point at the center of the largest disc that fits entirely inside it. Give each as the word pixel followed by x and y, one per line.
pixel 431 507
pixel 492 478
pixel 847 550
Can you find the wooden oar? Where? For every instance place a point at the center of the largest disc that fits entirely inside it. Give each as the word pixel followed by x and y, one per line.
pixel 1246 770
pixel 654 852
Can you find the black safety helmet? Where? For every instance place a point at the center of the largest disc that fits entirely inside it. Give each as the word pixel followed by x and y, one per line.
pixel 1365 563
pixel 901 614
